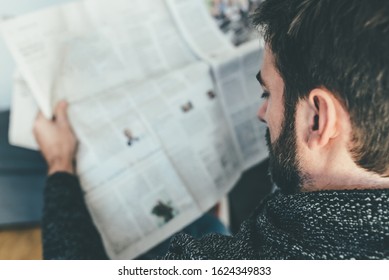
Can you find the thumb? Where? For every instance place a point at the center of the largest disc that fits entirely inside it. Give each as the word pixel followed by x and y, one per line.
pixel 39 119
pixel 60 114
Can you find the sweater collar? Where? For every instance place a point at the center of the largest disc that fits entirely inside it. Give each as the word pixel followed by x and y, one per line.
pixel 354 221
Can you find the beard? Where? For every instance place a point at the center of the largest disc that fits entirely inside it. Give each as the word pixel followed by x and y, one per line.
pixel 283 163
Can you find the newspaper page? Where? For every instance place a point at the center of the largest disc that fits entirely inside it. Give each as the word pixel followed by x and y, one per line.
pixel 179 110
pixel 38 43
pixel 66 52
pixel 22 115
pixel 134 194
pixel 144 34
pixel 234 70
pixel 236 82
pixel 186 114
pixel 199 29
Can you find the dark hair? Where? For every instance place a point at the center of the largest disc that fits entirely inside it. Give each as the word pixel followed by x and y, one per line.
pixel 342 45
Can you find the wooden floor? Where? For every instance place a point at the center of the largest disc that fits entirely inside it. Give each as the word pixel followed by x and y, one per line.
pixel 20 244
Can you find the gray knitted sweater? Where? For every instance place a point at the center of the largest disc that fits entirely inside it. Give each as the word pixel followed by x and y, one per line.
pixel 316 225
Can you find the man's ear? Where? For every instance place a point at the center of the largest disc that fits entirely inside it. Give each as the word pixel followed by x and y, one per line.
pixel 323 118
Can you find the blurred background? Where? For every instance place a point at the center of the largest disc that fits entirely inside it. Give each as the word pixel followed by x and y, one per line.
pixel 232 17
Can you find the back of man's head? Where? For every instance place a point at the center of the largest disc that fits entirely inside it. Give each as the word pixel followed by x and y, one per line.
pixel 343 46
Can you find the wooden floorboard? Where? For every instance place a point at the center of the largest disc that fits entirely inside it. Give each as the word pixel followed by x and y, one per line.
pixel 20 244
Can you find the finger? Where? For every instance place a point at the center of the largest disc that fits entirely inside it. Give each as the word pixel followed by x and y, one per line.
pixel 60 114
pixel 39 116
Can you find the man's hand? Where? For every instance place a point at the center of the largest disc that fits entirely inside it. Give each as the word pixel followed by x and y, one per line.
pixel 56 140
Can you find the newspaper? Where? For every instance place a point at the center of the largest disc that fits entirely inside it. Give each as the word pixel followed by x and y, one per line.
pixel 165 116
pixel 22 115
pixel 234 70
pixel 235 80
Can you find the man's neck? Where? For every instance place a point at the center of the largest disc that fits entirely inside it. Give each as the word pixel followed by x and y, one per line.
pixel 346 181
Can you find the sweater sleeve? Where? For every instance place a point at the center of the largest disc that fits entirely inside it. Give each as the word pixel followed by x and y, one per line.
pixel 68 231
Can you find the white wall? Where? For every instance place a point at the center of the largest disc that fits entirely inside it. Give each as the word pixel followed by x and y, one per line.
pixel 7 66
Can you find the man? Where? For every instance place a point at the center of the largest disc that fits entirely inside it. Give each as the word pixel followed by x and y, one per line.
pixel 325 76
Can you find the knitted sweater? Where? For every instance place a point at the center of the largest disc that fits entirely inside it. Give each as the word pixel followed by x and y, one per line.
pixel 316 225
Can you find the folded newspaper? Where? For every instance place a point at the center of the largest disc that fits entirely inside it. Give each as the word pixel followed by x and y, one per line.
pixel 163 104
